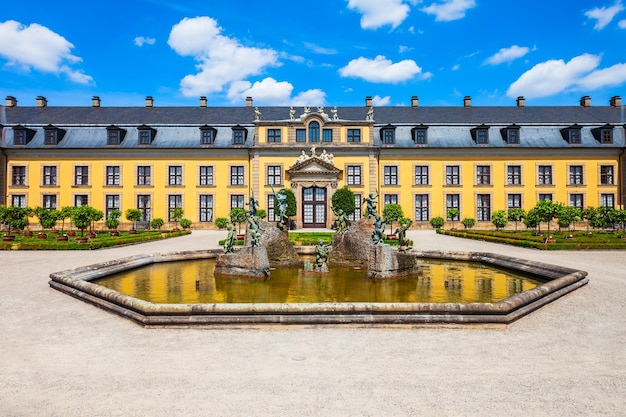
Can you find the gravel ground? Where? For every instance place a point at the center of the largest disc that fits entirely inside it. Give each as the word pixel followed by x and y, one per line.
pixel 62 357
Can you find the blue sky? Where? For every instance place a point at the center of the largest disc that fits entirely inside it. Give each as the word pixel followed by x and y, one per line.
pixel 324 52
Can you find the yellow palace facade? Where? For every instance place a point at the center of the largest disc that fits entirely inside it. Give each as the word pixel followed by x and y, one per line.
pixel 208 160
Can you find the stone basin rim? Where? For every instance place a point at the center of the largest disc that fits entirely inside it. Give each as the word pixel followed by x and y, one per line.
pixel 559 281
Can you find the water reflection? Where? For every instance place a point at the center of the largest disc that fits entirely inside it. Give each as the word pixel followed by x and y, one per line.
pixel 191 282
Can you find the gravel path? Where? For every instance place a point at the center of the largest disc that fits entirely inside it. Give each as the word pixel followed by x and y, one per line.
pixel 62 357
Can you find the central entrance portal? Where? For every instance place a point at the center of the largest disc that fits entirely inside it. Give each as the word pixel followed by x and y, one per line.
pixel 314 207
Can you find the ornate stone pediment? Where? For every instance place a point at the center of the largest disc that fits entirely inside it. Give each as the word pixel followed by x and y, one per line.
pixel 313 166
pixel 314 170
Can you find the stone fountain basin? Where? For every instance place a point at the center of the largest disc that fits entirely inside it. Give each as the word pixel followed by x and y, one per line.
pixel 559 281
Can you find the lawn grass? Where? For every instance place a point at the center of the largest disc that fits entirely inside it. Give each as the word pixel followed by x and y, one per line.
pixel 101 240
pixel 562 240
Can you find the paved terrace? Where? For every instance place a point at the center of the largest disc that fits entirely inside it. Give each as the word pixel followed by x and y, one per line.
pixel 62 357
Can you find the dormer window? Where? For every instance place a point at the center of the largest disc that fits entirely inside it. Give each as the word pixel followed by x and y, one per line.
pixel 146 134
pixel 52 135
pixel 22 135
pixel 511 134
pixel 480 134
pixel 388 135
pixel 239 135
pixel 314 132
pixel 207 135
pixel 115 135
pixel 572 134
pixel 603 134
pixel 418 134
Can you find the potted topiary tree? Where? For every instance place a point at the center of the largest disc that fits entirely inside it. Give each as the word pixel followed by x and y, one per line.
pixel 81 217
pixel 157 223
pixel 392 213
pixel 16 218
pixel 453 215
pixel 221 222
pixel 238 217
pixel 468 222
pixel 47 219
pixel 515 215
pixel 112 221
pixel 185 223
pixel 500 219
pixel 133 215
pixel 437 222
pixel 176 214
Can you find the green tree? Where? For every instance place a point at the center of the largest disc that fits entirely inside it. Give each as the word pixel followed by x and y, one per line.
pixel 605 214
pixel 392 213
pixel 344 199
pixel 221 222
pixel 133 215
pixel 176 214
pixel 238 217
pixel 500 219
pixel 567 215
pixel 516 215
pixel 15 217
pixel 47 217
pixel 590 214
pixel 468 222
pixel 185 223
pixel 532 220
pixel 453 215
pixel 157 223
pixel 437 222
pixel 547 211
pixel 81 217
pixel 113 219
pixel 65 213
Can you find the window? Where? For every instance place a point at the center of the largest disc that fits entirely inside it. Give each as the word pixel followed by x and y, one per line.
pixel 274 175
pixel 453 176
pixel 483 207
pixel 390 175
pixel 483 175
pixel 512 136
pixel 357 210
pixel 112 203
pixel 49 175
pixel 18 200
pixel 606 175
pixel 206 208
pixel 354 135
pixel 19 136
pixel 206 175
pixel 18 175
pixel 112 175
pixel 574 135
pixel 113 137
pixel 239 136
pixel 174 201
pixel 576 200
pixel 421 207
pixel 421 175
pixel 480 135
pixel 143 205
pixel 175 176
pixel 453 201
pixel 576 174
pixel 514 175
pixel 273 135
pixel 314 132
pixel 81 200
pixel 236 175
pixel 81 175
pixel 514 201
pixel 544 175
pixel 144 176
pixel 607 200
pixel 146 134
pixel 236 201
pixel 272 216
pixel 207 135
pixel 390 199
pixel 300 135
pixel 354 174
pixel 49 201
pixel 50 136
pixel 545 197
pixel 327 135
pixel 419 135
pixel 607 135
pixel 388 136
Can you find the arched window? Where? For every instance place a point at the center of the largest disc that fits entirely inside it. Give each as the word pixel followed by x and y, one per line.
pixel 314 132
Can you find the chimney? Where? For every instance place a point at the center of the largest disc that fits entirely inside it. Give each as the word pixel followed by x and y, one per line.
pixel 42 101
pixel 585 101
pixel 467 101
pixel 415 101
pixel 11 101
pixel 616 101
pixel 521 101
pixel 368 101
pixel 203 101
pixel 149 101
pixel 248 101
pixel 95 101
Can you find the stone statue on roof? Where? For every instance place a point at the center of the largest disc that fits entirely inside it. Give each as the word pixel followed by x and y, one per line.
pixel 257 114
pixel 334 113
pixel 292 113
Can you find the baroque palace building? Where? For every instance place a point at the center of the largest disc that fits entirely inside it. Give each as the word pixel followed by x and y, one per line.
pixel 208 160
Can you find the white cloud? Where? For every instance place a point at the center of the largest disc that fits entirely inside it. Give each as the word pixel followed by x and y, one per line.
pixel 456 67
pixel 381 101
pixel 378 13
pixel 141 41
pixel 554 76
pixel 269 92
pixel 507 55
pixel 319 49
pixel 221 60
pixel 449 9
pixel 38 47
pixel 382 70
pixel 604 15
pixel 622 24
